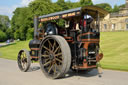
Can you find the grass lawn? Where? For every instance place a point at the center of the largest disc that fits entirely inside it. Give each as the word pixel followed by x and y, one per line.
pixel 115 48
pixel 113 44
pixel 11 51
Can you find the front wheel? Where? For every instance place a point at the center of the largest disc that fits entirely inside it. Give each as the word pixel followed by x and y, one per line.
pixel 24 60
pixel 55 56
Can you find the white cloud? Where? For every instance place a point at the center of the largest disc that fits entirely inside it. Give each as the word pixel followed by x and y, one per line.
pixel 5 10
pixel 74 0
pixel 102 1
pixel 26 2
pixel 111 2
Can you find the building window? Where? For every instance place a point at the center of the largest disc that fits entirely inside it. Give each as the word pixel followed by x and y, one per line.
pixel 105 26
pixel 113 26
pixel 126 26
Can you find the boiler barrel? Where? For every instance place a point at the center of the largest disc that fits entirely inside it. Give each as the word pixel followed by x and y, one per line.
pixel 34 43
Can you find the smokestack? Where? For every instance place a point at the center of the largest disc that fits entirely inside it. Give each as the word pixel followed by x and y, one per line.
pixel 35 27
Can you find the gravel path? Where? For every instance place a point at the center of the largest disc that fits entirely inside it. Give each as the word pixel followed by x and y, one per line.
pixel 11 75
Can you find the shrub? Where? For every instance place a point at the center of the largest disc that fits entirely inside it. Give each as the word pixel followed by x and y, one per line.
pixel 3 36
pixel 30 33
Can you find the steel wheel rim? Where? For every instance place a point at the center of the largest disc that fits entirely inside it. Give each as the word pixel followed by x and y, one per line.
pixel 22 59
pixel 51 57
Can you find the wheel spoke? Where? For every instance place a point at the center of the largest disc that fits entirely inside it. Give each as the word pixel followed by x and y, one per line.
pixel 58 67
pixel 56 49
pixel 23 65
pixel 47 63
pixel 53 46
pixel 46 60
pixel 45 56
pixel 25 55
pixel 50 69
pixel 58 54
pixel 59 60
pixel 50 45
pixel 46 48
pixel 22 55
pixel 54 69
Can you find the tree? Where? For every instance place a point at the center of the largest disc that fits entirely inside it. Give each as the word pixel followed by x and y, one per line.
pixel 60 2
pixel 16 34
pixel 86 2
pixel 30 33
pixel 4 23
pixel 64 5
pixel 40 8
pixel 122 6
pixel 4 26
pixel 106 6
pixel 48 1
pixel 76 4
pixel 9 33
pixel 20 22
pixel 3 36
pixel 115 9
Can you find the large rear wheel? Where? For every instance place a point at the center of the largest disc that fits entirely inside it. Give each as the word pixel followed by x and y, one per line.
pixel 55 56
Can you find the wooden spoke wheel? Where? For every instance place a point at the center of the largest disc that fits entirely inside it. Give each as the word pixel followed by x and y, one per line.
pixel 55 56
pixel 24 60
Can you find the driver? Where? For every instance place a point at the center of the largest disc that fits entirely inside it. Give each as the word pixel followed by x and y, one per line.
pixel 87 23
pixel 51 29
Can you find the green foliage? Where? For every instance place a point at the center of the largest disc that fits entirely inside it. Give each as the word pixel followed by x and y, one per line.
pixel 3 36
pixel 40 8
pixel 116 9
pixel 30 33
pixel 122 6
pixel 106 6
pixel 4 23
pixel 48 1
pixel 22 21
pixel 64 5
pixel 16 34
pixel 9 33
pixel 86 2
pixel 61 22
pixel 11 51
pixel 4 28
pixel 60 2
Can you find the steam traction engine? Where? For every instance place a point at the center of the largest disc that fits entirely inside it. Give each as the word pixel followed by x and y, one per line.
pixel 58 49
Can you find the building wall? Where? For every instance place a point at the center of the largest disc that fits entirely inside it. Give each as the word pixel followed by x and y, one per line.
pixel 114 24
pixel 116 21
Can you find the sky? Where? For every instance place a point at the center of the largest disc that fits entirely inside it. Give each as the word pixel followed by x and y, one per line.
pixel 8 6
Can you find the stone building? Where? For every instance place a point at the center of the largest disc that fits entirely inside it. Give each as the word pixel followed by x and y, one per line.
pixel 116 21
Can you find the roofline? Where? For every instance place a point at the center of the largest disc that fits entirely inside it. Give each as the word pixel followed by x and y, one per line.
pixel 61 12
pixel 96 8
pixel 72 13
